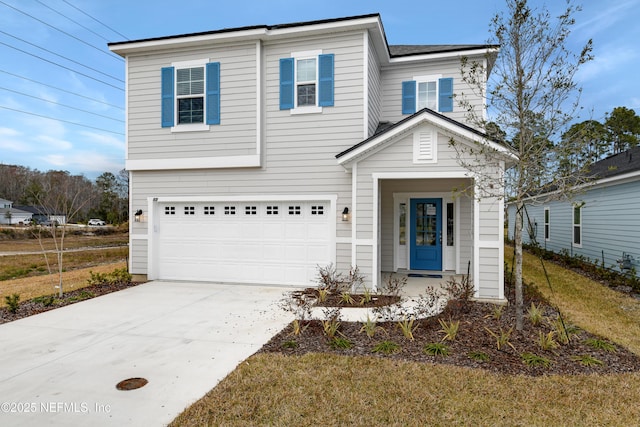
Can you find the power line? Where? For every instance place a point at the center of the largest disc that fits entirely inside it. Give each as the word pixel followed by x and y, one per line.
pixel 60 120
pixel 61 66
pixel 99 22
pixel 75 22
pixel 62 90
pixel 62 31
pixel 61 56
pixel 62 105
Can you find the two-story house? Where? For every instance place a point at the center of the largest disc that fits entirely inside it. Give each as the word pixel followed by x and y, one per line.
pixel 257 154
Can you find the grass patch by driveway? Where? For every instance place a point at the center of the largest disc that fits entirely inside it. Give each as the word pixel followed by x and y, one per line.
pixel 331 390
pixel 31 287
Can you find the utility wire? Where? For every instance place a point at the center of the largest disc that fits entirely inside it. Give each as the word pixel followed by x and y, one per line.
pixel 62 31
pixel 99 22
pixel 61 120
pixel 61 56
pixel 61 66
pixel 62 90
pixel 62 105
pixel 75 22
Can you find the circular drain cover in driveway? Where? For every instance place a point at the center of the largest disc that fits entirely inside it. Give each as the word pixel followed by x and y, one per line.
pixel 131 384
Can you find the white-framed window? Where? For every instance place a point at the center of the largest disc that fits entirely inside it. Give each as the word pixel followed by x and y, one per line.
pixel 317 210
pixel 272 210
pixel 577 225
pixel 189 210
pixel 427 92
pixel 547 224
pixel 209 210
pixel 306 82
pixel 229 210
pixel 191 95
pixel 169 210
pixel 430 91
pixel 250 210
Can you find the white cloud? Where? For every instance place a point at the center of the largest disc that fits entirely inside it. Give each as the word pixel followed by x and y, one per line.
pixel 11 140
pixel 54 144
pixel 609 60
pixel 6 132
pixel 90 163
pixel 104 140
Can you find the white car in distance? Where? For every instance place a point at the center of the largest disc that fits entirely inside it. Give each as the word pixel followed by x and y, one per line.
pixel 96 222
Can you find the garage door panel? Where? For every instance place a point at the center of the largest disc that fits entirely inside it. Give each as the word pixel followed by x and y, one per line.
pixel 267 242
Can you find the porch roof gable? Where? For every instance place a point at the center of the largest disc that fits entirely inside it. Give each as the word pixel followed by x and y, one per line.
pixel 368 146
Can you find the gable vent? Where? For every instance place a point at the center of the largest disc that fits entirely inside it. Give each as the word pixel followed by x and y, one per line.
pixel 424 146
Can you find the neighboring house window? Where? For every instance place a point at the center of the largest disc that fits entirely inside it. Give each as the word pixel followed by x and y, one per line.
pixel 191 93
pixel 547 224
pixel 306 82
pixel 577 225
pixel 431 92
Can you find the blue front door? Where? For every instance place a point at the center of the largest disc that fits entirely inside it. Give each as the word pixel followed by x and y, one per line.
pixel 426 234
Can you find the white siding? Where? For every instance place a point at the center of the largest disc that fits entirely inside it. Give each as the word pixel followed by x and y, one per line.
pixel 236 134
pixel 392 78
pixel 375 91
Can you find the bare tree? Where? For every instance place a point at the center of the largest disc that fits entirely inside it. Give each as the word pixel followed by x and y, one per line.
pixel 61 197
pixel 531 98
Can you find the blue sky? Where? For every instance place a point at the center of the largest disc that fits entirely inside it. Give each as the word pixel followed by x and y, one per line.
pixel 31 78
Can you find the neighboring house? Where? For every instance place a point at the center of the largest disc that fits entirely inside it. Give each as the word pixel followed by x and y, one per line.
pixel 10 215
pixel 40 214
pixel 257 154
pixel 601 222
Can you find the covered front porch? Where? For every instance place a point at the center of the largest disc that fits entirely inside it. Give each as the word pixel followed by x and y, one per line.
pixel 416 208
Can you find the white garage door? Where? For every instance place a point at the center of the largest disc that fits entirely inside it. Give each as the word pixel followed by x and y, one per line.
pixel 244 242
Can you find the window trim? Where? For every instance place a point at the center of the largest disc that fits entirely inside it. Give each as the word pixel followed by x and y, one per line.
pixel 190 127
pixel 297 56
pixel 576 225
pixel 547 224
pixel 435 78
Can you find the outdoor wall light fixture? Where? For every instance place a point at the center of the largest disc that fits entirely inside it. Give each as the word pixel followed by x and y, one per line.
pixel 345 214
pixel 138 215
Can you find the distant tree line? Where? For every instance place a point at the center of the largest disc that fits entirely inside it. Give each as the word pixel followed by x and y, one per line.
pixel 592 140
pixel 107 198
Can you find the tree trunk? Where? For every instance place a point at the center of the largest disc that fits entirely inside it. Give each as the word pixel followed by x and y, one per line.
pixel 517 260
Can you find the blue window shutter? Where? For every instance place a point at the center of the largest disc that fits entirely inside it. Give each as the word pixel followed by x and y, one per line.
pixel 409 97
pixel 167 97
pixel 213 93
pixel 286 83
pixel 445 95
pixel 325 80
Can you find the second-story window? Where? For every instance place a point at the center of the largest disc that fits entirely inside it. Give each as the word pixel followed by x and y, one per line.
pixel 431 92
pixel 190 95
pixel 306 82
pixel 427 95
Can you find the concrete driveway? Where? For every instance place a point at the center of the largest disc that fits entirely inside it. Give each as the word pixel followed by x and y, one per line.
pixel 62 367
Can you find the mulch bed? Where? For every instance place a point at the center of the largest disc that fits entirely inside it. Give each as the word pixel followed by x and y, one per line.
pixel 473 338
pixel 40 305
